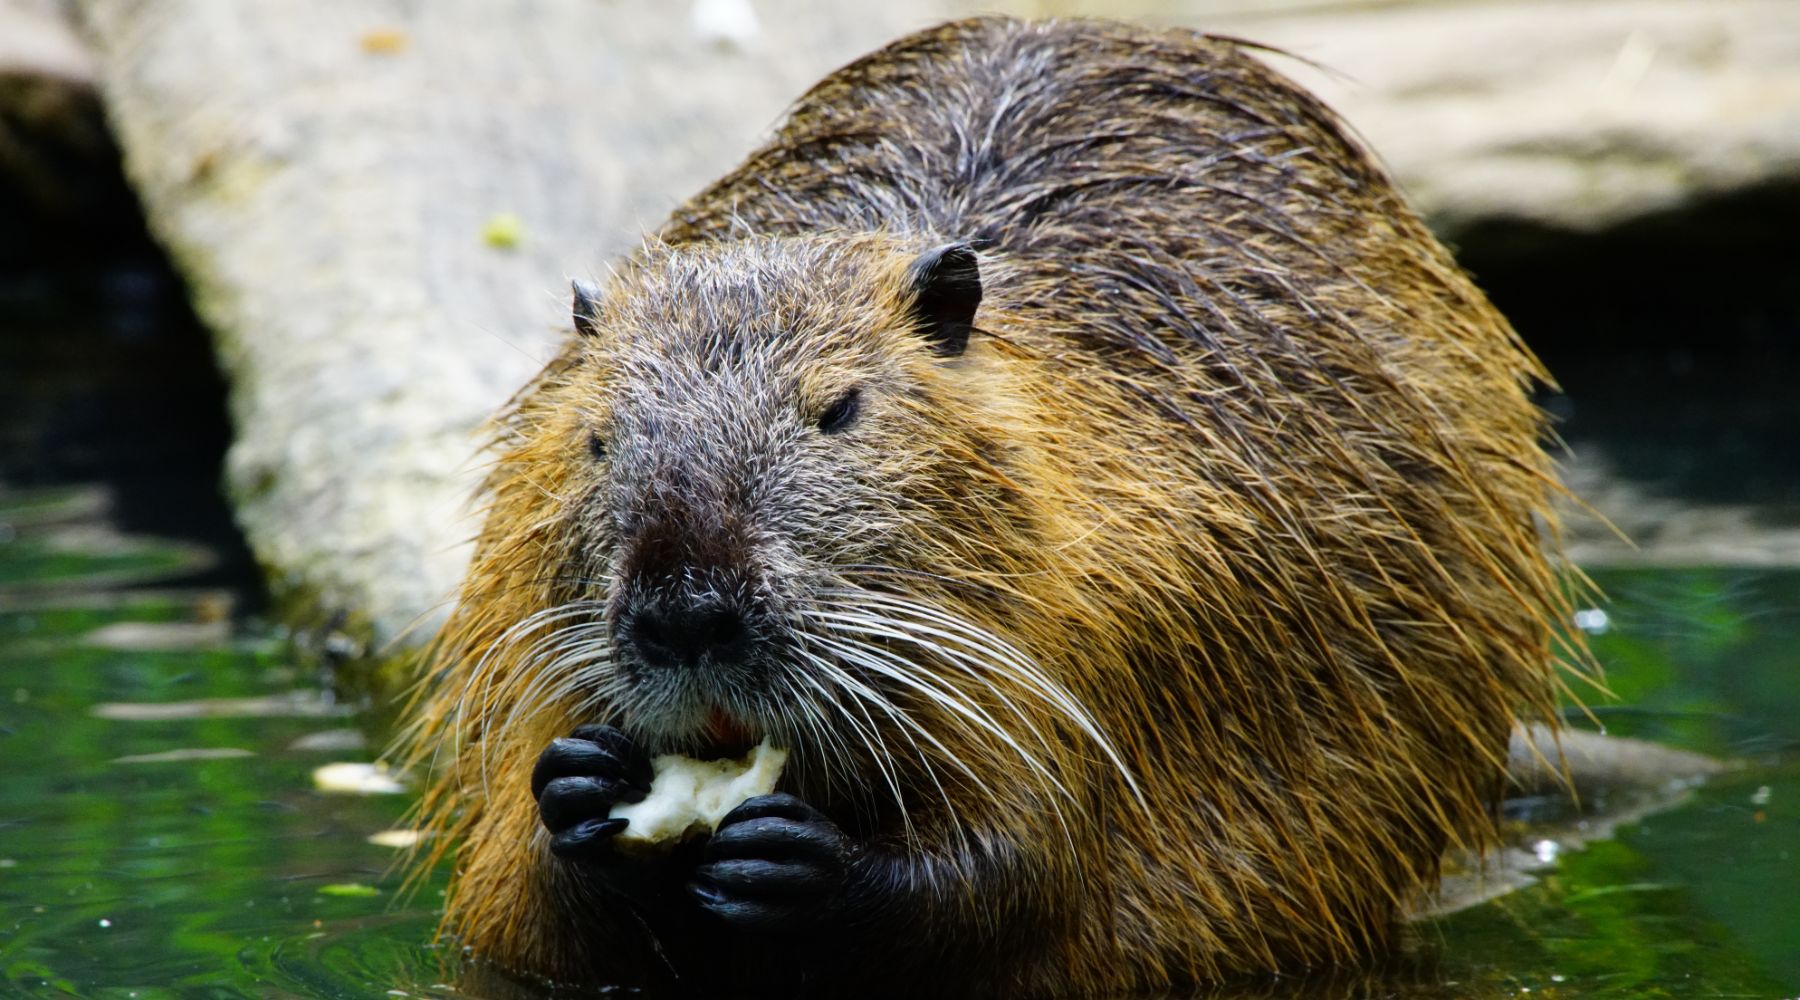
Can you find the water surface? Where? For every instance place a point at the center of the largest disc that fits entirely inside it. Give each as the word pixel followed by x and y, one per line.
pixel 160 834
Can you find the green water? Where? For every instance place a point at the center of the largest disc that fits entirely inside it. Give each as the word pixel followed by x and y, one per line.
pixel 128 871
pixel 157 878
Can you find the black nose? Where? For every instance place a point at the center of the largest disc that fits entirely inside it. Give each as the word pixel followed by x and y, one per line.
pixel 686 636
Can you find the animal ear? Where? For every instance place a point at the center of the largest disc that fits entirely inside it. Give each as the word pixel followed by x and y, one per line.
pixel 587 305
pixel 946 289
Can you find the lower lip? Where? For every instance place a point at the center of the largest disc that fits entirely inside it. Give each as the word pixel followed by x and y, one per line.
pixel 727 734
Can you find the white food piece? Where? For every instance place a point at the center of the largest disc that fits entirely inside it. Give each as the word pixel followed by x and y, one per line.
pixel 688 795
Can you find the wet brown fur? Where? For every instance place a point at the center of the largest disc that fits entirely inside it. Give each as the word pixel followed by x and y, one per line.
pixel 1237 456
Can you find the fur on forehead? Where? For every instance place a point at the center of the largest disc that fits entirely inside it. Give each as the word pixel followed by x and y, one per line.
pixel 755 295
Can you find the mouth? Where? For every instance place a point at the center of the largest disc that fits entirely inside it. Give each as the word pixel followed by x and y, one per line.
pixel 698 731
pixel 724 736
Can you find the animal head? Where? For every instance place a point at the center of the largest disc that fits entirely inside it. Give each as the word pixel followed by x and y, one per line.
pixel 759 496
pixel 753 422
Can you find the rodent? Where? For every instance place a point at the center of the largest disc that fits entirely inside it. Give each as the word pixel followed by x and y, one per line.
pixel 1064 441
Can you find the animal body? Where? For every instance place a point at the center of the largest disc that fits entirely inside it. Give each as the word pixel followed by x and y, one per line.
pixel 1062 439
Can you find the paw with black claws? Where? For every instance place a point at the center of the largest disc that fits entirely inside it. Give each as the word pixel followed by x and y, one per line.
pixel 774 864
pixel 577 781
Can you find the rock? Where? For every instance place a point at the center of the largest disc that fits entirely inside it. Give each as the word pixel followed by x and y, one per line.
pixel 1586 786
pixel 378 205
pixel 1577 114
pixel 1643 527
pixel 1594 765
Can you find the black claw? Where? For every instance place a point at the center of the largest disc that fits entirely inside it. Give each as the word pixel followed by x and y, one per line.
pixel 602 752
pixel 579 779
pixel 778 838
pixel 757 878
pixel 710 897
pixel 745 914
pixel 567 801
pixel 585 838
pixel 610 737
pixel 775 863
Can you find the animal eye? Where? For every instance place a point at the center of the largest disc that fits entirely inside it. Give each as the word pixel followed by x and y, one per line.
pixel 596 447
pixel 841 413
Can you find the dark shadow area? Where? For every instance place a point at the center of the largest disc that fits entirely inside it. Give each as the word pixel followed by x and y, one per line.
pixel 106 375
pixel 1676 338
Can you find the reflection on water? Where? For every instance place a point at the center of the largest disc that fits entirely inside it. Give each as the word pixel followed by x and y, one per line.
pixel 161 835
pixel 153 853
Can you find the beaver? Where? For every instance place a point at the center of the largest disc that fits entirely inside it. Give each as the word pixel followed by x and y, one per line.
pixel 1062 439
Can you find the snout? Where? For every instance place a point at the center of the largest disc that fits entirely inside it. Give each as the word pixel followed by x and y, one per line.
pixel 685 634
pixel 693 611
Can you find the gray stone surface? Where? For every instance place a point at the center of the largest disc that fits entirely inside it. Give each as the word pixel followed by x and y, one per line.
pixel 331 176
pixel 1619 522
pixel 1577 113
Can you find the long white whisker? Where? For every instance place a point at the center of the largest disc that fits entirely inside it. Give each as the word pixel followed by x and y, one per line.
pixel 988 650
pixel 850 684
pixel 808 725
pixel 969 665
pixel 552 666
pixel 886 664
pixel 883 663
pixel 485 674
pixel 863 734
pixel 906 672
pixel 867 731
pixel 866 697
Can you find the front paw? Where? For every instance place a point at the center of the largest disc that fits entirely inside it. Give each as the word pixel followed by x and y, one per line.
pixel 774 864
pixel 576 783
